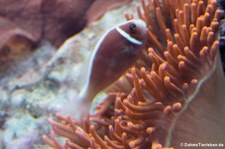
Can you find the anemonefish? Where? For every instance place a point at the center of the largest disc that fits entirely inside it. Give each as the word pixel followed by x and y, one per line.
pixel 116 51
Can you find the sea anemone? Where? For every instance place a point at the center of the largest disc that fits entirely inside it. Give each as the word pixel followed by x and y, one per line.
pixel 171 97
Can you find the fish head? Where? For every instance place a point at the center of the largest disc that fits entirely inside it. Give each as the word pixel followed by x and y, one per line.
pixel 134 31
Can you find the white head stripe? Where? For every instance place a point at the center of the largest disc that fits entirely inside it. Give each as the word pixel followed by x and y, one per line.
pixel 128 37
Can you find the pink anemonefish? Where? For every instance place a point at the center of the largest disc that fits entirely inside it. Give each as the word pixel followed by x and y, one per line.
pixel 116 51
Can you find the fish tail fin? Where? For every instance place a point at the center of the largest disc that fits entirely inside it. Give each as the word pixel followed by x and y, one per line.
pixel 76 107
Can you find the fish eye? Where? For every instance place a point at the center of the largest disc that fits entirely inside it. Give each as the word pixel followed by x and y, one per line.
pixel 132 27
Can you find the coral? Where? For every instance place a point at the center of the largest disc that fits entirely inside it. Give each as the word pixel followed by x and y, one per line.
pixel 53 20
pixel 171 95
